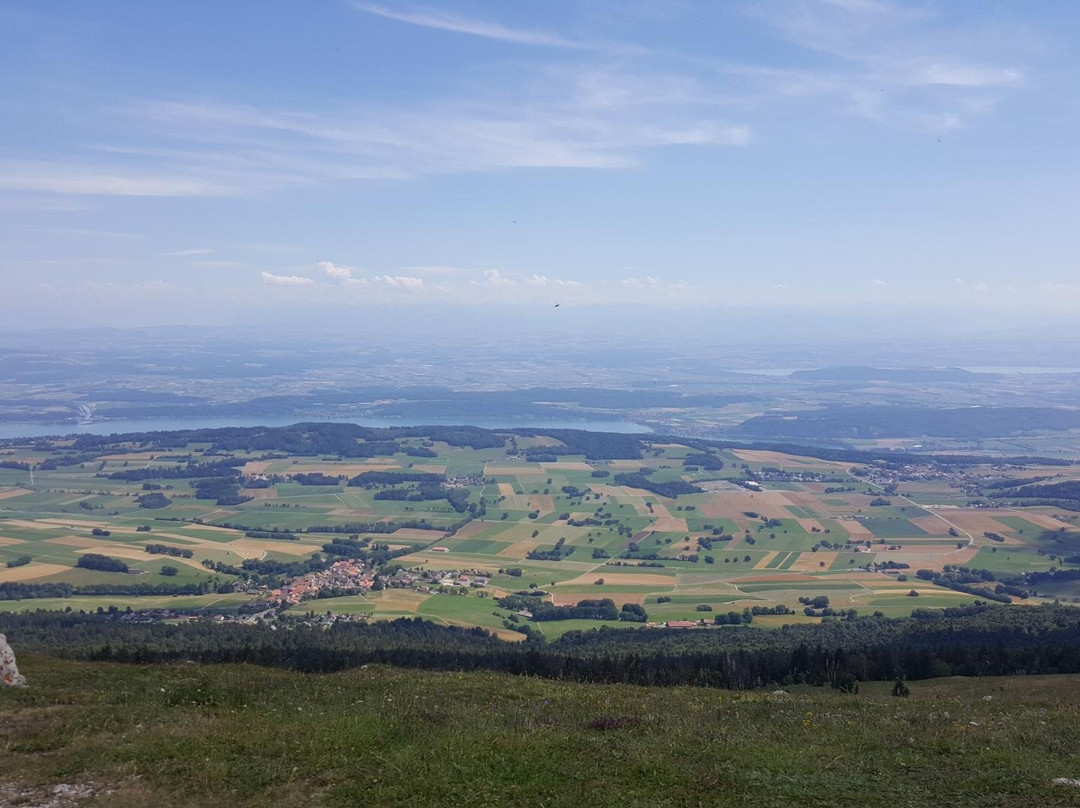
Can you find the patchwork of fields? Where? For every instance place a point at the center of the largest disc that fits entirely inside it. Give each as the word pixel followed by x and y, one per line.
pixel 523 519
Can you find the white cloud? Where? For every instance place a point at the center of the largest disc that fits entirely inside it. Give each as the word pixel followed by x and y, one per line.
pixel 61 178
pixel 335 271
pixel 496 278
pixel 961 75
pixel 444 21
pixel 543 280
pixel 895 63
pixel 185 253
pixel 285 280
pixel 880 282
pixel 405 282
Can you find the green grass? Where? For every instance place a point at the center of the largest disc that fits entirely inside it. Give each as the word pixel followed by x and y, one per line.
pixel 195 736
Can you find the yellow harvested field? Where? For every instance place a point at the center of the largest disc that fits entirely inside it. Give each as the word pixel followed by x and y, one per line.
pixel 337 469
pixel 506 489
pixel 530 470
pixel 622 579
pixel 28 572
pixel 856 529
pixel 415 533
pixel 764 562
pixel 33 570
pixel 257 466
pixel 544 503
pixel 42 524
pixel 519 548
pixel 931 524
pixel 472 529
pixel 920 590
pixel 9 493
pixel 135 554
pixel 569 465
pixel 350 512
pixel 670 524
pixel 6 542
pixel 400 600
pixel 75 541
pixel 804 499
pixel 782 460
pixel 812 562
pixel 255 548
pixel 979 523
pixel 1040 519
pixel 618 491
pixel 809 524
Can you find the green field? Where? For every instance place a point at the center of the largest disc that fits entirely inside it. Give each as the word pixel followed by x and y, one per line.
pixel 244 736
pixel 712 547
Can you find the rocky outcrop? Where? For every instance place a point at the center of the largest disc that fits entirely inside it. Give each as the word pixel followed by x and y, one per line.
pixel 9 671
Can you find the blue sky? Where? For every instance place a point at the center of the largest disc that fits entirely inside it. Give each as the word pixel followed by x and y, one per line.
pixel 219 162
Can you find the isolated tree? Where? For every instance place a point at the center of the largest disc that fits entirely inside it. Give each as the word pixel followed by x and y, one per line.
pixel 900 689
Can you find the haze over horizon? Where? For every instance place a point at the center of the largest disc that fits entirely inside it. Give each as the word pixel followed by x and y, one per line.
pixel 227 164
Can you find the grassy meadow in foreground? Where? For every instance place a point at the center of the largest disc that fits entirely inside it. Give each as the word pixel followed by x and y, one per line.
pixel 189 735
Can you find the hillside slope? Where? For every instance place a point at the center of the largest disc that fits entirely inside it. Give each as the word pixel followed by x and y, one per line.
pixel 234 735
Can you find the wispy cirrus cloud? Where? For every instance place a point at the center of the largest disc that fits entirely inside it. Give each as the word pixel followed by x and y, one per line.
pixel 428 17
pixel 111 180
pixel 901 64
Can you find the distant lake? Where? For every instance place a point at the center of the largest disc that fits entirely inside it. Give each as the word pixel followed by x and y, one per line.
pixel 21 430
pixel 1008 370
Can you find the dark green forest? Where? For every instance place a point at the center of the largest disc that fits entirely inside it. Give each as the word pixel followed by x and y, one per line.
pixel 981 640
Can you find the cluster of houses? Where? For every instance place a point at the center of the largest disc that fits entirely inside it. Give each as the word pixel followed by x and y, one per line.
pixel 350 575
pixel 353 576
pixel 427 580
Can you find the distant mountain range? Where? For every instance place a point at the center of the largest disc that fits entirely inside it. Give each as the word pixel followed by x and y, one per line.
pixel 882 421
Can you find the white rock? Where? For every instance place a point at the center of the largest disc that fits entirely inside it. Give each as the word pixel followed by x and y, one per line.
pixel 9 671
pixel 1066 781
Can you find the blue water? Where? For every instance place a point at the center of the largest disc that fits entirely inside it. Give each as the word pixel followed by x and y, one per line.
pixel 19 430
